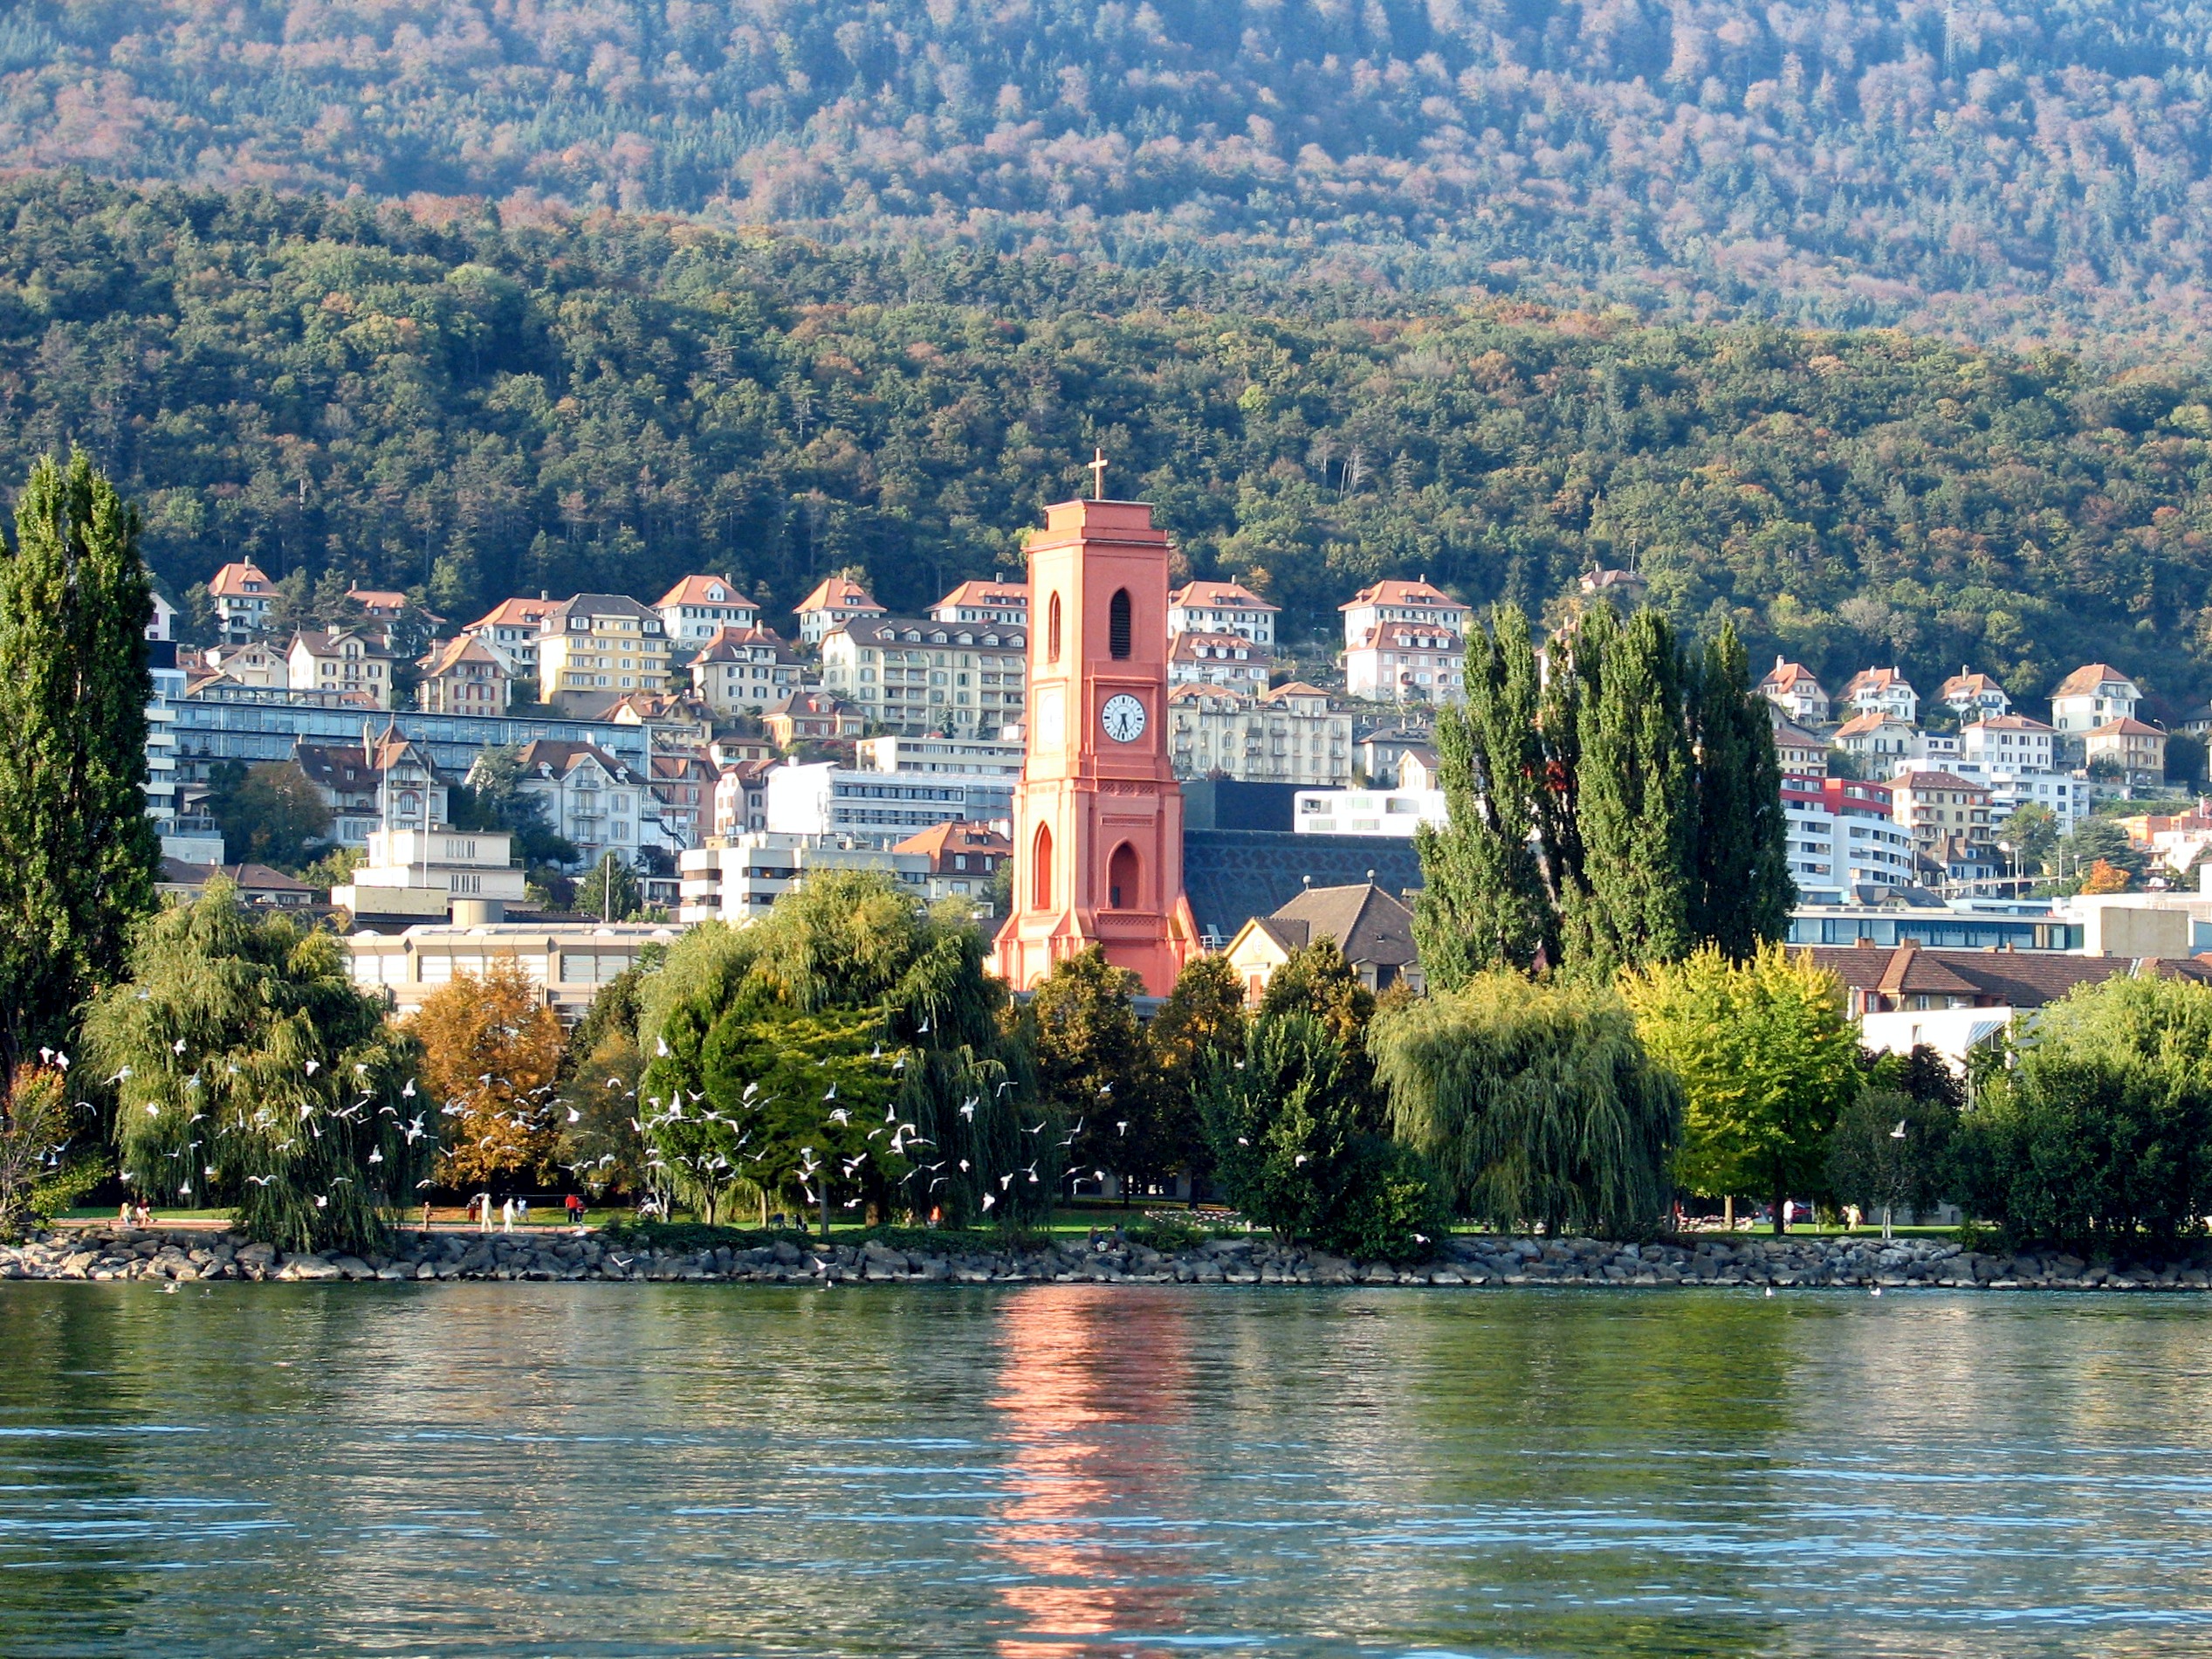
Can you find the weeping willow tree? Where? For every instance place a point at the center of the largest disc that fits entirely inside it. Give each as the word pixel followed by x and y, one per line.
pixel 1534 1102
pixel 844 1051
pixel 249 1072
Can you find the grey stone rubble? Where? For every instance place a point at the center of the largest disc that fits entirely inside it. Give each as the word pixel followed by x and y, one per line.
pixel 1740 1260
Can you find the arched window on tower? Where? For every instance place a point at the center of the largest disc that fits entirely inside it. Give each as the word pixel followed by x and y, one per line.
pixel 1052 630
pixel 1117 624
pixel 1041 869
pixel 1122 876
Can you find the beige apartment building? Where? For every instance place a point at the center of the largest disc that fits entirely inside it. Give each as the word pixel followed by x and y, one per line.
pixel 595 647
pixel 340 661
pixel 1939 806
pixel 912 676
pixel 1288 735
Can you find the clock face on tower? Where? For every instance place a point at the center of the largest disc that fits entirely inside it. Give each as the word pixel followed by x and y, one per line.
pixel 1122 718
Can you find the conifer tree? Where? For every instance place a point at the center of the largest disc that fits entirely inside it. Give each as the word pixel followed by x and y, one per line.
pixel 77 852
pixel 1742 890
pixel 1483 901
pixel 1634 805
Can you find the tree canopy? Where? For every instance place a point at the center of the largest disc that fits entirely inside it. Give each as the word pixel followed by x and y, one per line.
pixel 1535 1104
pixel 76 851
pixel 2028 169
pixel 499 406
pixel 248 1070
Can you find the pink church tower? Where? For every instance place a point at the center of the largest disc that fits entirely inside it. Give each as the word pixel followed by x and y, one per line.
pixel 1098 814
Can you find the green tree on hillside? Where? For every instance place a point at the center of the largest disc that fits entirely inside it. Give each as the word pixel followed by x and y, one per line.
pixel 77 852
pixel 270 814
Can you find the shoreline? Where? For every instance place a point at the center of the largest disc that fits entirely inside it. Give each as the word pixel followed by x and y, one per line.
pixel 182 1256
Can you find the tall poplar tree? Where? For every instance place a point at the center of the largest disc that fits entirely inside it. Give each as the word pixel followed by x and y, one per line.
pixel 78 854
pixel 1483 901
pixel 1635 806
pixel 1742 890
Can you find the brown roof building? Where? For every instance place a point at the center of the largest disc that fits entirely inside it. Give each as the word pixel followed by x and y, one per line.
pixel 1374 930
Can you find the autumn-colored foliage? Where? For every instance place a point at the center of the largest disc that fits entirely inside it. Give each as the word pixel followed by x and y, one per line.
pixel 2104 877
pixel 492 1047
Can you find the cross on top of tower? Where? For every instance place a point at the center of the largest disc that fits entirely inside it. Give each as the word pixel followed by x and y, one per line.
pixel 1098 474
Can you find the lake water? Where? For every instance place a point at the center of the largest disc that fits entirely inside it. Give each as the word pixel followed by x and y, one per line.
pixel 1069 1470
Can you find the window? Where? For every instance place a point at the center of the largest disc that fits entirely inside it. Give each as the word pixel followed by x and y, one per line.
pixel 1121 879
pixel 1117 624
pixel 1052 631
pixel 1041 865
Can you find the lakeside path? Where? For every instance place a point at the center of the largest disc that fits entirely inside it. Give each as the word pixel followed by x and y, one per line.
pixel 179 1256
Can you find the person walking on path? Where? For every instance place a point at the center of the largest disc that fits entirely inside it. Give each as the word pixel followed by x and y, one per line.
pixel 575 1209
pixel 482 1204
pixel 507 1216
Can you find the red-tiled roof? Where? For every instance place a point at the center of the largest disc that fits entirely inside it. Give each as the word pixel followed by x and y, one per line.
pixel 516 612
pixel 1401 593
pixel 2084 681
pixel 232 579
pixel 701 591
pixel 838 593
pixel 1220 596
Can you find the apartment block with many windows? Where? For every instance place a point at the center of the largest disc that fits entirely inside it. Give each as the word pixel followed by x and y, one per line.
pixel 913 676
pixel 594 648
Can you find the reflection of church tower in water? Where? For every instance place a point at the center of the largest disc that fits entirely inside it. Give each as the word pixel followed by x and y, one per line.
pixel 1098 817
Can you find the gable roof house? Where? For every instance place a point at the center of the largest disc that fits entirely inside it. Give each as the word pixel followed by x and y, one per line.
pixel 1373 929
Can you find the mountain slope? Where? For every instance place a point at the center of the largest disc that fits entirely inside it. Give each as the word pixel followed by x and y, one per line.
pixel 2031 172
pixel 344 388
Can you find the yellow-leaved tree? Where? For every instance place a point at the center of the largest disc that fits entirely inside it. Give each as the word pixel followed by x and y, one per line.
pixel 491 1052
pixel 1767 1058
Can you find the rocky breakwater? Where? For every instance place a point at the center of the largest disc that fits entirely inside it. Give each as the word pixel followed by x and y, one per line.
pixel 1740 1261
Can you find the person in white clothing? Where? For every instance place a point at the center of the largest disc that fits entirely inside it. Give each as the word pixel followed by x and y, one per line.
pixel 507 1215
pixel 482 1204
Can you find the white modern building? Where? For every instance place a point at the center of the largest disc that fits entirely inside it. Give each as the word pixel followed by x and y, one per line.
pixel 982 757
pixel 736 878
pixel 1367 812
pixel 877 808
pixel 1842 837
pixel 568 962
pixel 431 875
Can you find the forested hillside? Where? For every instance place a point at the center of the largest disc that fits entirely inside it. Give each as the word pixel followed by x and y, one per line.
pixel 348 387
pixel 2011 171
